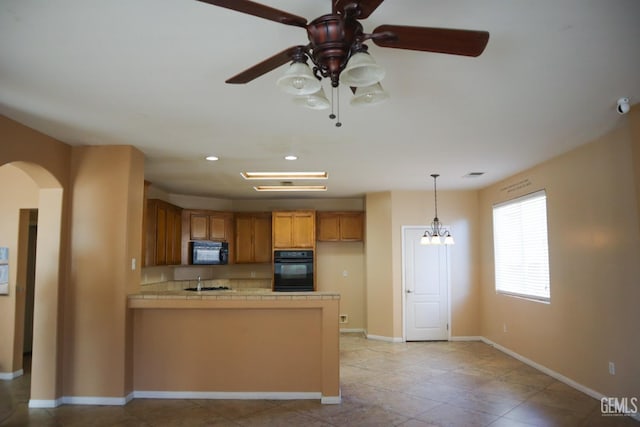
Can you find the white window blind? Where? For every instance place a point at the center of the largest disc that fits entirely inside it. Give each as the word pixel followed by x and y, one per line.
pixel 521 250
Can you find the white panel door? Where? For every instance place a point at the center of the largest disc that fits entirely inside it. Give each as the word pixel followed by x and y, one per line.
pixel 426 288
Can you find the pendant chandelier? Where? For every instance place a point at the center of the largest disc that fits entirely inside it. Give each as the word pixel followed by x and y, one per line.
pixel 435 234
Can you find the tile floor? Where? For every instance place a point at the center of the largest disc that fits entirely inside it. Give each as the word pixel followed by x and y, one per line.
pixel 383 384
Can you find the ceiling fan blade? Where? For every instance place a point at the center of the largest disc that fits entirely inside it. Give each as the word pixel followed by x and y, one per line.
pixel 365 7
pixel 265 66
pixel 260 10
pixel 441 40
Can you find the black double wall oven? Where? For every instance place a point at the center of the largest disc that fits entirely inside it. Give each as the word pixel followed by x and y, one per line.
pixel 293 271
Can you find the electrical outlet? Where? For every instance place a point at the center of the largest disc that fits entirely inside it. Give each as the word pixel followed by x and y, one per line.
pixel 345 273
pixel 612 368
pixel 253 274
pixel 133 264
pixel 344 318
pixel 504 327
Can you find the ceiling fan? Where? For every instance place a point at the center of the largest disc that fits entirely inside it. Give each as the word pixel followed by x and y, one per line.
pixel 338 37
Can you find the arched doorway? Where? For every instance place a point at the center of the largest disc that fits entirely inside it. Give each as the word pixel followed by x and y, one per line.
pixel 33 187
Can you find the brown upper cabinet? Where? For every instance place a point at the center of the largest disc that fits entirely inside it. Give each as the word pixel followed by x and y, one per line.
pixel 253 237
pixel 294 229
pixel 210 225
pixel 200 224
pixel 340 226
pixel 163 233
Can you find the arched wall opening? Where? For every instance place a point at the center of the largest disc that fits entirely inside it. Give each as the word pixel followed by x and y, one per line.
pixel 31 186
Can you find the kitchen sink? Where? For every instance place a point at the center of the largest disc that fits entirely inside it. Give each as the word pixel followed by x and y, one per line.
pixel 209 288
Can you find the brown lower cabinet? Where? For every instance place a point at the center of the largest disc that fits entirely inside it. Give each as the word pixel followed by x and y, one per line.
pixel 253 237
pixel 163 234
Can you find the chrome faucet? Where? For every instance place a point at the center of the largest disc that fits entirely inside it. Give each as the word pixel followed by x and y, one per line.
pixel 199 284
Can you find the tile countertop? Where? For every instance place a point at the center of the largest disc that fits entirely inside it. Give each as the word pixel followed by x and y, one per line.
pixel 240 294
pixel 174 291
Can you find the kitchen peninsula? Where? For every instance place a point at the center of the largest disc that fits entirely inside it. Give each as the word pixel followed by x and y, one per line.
pixel 236 344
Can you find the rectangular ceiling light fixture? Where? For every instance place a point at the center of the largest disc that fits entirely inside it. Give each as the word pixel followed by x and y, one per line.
pixel 284 175
pixel 290 188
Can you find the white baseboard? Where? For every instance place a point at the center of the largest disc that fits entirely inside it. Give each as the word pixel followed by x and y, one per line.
pixel 11 375
pixel 45 403
pixel 94 400
pixel 382 338
pixel 466 338
pixel 262 395
pixel 541 368
pixel 568 381
pixel 331 400
pixel 349 331
pixel 120 401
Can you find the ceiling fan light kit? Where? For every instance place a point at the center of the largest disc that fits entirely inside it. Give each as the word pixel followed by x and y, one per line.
pixel 361 70
pixel 336 48
pixel 314 101
pixel 299 80
pixel 369 95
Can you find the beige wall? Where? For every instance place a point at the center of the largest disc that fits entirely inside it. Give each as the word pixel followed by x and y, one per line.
pixel 379 292
pixel 89 226
pixel 594 251
pixel 333 259
pixel 458 210
pixel 46 162
pixel 106 225
pixel 387 213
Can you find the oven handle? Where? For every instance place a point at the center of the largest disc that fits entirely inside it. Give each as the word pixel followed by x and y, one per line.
pixel 293 261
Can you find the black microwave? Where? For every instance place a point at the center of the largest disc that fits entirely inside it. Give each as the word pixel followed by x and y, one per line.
pixel 209 253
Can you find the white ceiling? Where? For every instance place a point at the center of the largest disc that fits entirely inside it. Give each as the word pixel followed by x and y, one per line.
pixel 151 73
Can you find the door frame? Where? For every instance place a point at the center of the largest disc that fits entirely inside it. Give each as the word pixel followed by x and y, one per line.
pixel 404 281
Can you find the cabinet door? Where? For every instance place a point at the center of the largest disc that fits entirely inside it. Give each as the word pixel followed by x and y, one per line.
pixel 328 227
pixel 282 230
pixel 161 235
pixel 262 238
pixel 352 226
pixel 174 238
pixel 244 239
pixel 218 228
pixel 304 225
pixel 150 232
pixel 169 241
pixel 199 227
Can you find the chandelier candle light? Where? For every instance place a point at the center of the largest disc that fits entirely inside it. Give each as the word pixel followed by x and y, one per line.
pixel 434 235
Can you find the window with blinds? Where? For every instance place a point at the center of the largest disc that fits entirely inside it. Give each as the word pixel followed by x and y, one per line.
pixel 521 251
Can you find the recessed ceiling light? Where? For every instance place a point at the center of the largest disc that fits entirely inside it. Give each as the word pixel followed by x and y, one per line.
pixel 284 175
pixel 290 188
pixel 291 157
pixel 212 158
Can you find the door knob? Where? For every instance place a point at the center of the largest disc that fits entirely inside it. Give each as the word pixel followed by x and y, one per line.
pixel 409 291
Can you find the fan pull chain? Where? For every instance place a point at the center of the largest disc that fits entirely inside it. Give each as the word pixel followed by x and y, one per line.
pixel 332 116
pixel 338 123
